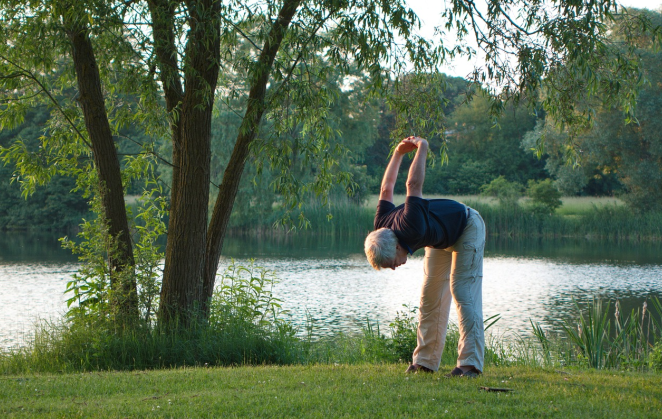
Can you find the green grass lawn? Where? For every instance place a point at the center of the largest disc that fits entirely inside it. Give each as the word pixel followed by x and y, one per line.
pixel 332 392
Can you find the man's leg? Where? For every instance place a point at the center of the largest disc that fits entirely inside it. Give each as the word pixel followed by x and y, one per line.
pixel 434 308
pixel 466 283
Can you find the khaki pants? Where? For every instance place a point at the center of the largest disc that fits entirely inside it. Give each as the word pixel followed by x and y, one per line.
pixel 453 273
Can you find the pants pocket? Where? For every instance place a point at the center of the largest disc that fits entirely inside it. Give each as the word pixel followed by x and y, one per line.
pixel 470 255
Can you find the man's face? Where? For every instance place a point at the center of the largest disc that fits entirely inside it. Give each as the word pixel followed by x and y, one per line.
pixel 400 258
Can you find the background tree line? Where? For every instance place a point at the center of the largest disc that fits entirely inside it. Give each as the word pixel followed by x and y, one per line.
pixel 617 158
pixel 306 90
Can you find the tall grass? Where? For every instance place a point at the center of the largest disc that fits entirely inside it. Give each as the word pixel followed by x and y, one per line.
pixel 606 220
pixel 65 347
pixel 629 341
pixel 340 218
pixel 346 218
pixel 246 326
pixel 603 223
pixel 595 340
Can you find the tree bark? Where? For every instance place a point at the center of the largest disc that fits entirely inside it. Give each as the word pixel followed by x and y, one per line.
pixel 247 133
pixel 163 27
pixel 124 296
pixel 181 291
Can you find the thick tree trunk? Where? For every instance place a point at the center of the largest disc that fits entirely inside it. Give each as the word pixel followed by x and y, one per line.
pixel 247 133
pixel 121 262
pixel 181 291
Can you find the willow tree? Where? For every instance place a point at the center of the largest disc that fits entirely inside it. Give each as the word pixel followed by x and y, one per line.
pixel 181 58
pixel 611 148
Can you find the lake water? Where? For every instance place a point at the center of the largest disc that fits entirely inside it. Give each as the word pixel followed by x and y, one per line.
pixel 329 280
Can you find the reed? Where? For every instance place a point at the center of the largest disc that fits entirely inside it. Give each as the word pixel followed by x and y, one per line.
pixel 596 340
pixel 629 341
pixel 606 220
pixel 342 218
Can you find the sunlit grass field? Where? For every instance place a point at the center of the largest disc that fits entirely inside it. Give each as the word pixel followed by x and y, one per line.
pixel 332 391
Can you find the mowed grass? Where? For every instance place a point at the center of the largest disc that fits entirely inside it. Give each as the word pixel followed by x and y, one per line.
pixel 572 205
pixel 578 205
pixel 329 391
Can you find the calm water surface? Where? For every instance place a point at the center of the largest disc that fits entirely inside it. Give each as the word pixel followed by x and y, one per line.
pixel 330 280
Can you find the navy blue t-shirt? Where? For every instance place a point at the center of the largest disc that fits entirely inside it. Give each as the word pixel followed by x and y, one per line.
pixel 423 222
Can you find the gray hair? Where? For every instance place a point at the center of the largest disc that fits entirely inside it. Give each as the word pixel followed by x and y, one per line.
pixel 380 247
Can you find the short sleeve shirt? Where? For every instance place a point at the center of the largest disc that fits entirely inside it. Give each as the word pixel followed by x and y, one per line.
pixel 423 222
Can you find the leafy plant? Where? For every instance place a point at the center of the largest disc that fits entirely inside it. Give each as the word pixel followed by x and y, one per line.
pixel 89 289
pixel 545 197
pixel 506 192
pixel 245 294
pixel 149 227
pixel 403 332
pixel 655 360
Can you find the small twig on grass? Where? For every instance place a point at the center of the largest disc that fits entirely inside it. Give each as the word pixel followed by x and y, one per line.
pixel 496 389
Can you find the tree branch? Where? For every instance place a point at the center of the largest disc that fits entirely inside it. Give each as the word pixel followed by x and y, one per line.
pixel 31 76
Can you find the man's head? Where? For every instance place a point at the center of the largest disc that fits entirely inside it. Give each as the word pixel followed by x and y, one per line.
pixel 383 250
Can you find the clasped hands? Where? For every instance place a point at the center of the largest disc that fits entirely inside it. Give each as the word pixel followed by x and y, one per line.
pixel 410 144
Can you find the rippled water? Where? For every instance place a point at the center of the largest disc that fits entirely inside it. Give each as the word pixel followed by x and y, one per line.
pixel 342 293
pixel 331 282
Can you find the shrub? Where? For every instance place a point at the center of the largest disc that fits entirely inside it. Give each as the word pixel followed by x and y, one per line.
pixel 245 327
pixel 506 192
pixel 545 197
pixel 403 333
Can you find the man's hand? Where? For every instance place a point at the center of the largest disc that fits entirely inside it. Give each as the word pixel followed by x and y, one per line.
pixel 391 174
pixel 409 144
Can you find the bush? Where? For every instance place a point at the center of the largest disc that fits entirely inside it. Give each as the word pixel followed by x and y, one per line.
pixel 506 192
pixel 403 333
pixel 545 197
pixel 245 327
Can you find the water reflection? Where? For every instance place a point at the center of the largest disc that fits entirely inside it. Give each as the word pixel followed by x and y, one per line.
pixel 525 280
pixel 577 251
pixel 24 247
pixel 328 279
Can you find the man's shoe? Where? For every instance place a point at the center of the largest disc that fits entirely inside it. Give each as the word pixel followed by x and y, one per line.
pixel 457 372
pixel 472 373
pixel 415 368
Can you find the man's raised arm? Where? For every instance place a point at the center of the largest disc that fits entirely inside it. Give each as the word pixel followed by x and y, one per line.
pixel 391 175
pixel 417 169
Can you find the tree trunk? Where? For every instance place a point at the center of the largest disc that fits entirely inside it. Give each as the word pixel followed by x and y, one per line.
pixel 163 27
pixel 181 291
pixel 247 133
pixel 122 279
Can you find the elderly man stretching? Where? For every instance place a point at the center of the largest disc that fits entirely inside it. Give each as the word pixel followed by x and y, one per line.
pixel 454 239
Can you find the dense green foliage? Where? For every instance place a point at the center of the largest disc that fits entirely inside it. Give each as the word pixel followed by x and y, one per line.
pixel 169 100
pixel 481 147
pixel 506 192
pixel 625 156
pixel 545 197
pixel 57 205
